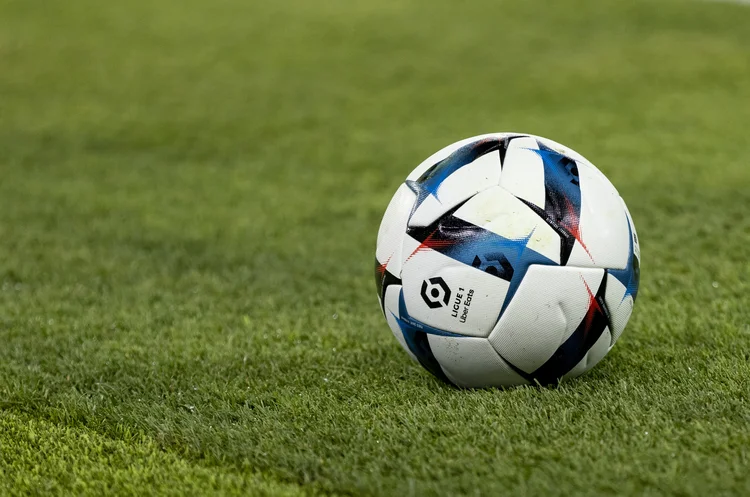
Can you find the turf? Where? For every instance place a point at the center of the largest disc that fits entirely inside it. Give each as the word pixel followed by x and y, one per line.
pixel 189 199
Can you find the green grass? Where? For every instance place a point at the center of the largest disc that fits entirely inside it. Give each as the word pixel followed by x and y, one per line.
pixel 189 197
pixel 42 458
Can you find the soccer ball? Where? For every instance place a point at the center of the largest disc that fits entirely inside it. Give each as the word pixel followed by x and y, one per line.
pixel 507 259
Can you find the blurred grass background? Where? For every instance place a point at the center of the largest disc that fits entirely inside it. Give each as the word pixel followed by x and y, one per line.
pixel 189 197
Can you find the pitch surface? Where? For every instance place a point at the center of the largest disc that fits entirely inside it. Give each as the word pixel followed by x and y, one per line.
pixel 189 200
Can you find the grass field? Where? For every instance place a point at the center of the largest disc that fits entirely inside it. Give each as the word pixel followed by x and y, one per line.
pixel 189 200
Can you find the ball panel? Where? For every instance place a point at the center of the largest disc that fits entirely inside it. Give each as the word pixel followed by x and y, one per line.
pixel 523 170
pixel 392 230
pixel 500 212
pixel 482 249
pixel 560 207
pixel 473 363
pixel 602 240
pixel 446 151
pixel 468 170
pixel 447 294
pixel 548 308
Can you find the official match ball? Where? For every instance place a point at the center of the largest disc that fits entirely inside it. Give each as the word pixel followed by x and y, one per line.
pixel 507 259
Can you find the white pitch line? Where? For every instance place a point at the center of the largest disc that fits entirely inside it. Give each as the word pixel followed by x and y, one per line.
pixel 738 2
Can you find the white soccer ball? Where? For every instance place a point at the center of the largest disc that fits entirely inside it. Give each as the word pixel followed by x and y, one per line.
pixel 507 259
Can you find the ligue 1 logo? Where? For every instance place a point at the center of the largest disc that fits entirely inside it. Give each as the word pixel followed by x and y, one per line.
pixel 435 293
